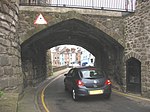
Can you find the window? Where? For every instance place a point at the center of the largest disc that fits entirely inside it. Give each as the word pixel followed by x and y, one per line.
pixel 91 60
pixel 91 73
pixel 70 72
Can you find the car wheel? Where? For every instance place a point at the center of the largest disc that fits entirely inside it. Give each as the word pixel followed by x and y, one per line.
pixel 75 97
pixel 107 96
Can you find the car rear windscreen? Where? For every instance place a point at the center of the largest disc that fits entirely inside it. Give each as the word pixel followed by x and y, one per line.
pixel 91 73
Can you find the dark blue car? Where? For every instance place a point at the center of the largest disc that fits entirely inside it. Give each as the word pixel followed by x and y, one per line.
pixel 87 81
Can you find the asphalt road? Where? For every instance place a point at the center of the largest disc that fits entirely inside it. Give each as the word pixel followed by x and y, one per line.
pixel 58 100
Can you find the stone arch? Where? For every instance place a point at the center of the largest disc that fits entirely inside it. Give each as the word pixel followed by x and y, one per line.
pixel 100 26
pixel 108 51
pixel 126 58
pixel 134 55
pixel 60 17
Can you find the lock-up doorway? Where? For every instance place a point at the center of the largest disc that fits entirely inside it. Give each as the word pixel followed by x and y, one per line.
pixel 133 75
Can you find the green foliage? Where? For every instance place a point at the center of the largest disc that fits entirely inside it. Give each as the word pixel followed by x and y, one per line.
pixel 1 93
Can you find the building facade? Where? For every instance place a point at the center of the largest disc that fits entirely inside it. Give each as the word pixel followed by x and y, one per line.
pixel 71 56
pixel 55 56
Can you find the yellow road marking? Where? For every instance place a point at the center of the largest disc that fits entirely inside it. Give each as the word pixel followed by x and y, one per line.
pixel 42 94
pixel 129 95
pixel 43 102
pixel 46 109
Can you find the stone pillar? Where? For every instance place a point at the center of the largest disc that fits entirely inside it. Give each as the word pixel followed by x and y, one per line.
pixel 33 64
pixel 98 61
pixel 49 63
pixel 10 58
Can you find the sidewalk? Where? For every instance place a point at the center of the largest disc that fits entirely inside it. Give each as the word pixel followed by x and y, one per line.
pixel 132 96
pixel 29 102
pixel 8 102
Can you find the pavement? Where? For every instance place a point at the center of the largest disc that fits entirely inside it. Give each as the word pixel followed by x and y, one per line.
pixel 10 102
pixel 29 103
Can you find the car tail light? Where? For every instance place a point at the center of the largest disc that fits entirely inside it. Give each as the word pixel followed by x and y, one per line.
pixel 79 83
pixel 108 82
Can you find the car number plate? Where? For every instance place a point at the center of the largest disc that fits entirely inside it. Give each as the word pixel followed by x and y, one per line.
pixel 94 92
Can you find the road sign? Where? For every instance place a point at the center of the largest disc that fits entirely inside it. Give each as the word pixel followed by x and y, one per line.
pixel 40 20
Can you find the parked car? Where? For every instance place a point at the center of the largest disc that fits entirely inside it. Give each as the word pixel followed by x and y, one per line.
pixel 87 81
pixel 74 65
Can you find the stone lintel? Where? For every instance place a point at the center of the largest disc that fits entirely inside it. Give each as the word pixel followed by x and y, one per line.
pixel 64 10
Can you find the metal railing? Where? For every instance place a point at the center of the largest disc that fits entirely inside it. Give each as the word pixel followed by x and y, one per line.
pixel 115 5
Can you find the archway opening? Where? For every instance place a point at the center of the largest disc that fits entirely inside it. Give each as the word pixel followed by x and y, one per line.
pixel 133 73
pixel 107 51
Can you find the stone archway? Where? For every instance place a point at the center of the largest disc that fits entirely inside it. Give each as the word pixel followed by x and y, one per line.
pixel 28 29
pixel 107 51
pixel 133 75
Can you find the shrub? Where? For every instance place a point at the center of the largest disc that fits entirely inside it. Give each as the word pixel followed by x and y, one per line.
pixel 1 93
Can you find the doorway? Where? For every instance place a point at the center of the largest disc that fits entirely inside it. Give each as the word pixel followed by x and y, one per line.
pixel 133 68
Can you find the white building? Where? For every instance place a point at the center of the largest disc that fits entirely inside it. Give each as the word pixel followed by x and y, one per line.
pixel 87 59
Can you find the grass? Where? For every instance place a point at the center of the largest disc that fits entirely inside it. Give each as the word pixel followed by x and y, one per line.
pixel 1 93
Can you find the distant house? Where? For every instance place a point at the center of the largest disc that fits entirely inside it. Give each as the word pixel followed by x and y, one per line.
pixel 55 54
pixel 71 56
pixel 64 56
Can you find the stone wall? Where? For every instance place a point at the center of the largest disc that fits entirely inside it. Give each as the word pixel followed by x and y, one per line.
pixel 137 44
pixel 112 24
pixel 10 60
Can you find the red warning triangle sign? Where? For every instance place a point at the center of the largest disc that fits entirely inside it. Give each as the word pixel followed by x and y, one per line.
pixel 40 20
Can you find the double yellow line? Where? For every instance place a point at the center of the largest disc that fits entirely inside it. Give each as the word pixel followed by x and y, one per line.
pixel 46 109
pixel 131 95
pixel 43 91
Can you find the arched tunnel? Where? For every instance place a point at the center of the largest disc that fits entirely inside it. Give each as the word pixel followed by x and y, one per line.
pixel 107 51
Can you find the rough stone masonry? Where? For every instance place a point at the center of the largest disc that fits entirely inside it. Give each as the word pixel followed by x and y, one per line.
pixel 137 41
pixel 10 61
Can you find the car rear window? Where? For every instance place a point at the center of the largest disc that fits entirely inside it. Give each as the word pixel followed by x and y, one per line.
pixel 91 73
